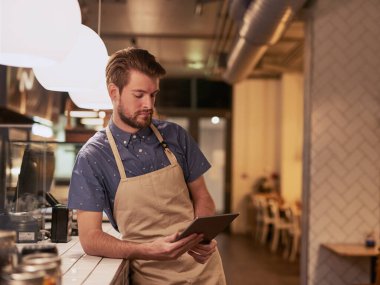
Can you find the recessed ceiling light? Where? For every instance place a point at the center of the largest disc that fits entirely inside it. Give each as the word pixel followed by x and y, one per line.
pixel 196 64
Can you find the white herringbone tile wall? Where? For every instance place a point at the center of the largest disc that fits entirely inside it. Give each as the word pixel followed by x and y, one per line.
pixel 344 86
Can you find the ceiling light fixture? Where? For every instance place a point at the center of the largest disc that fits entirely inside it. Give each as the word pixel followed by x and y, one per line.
pixel 82 73
pixel 215 120
pixel 82 69
pixel 38 32
pixel 196 64
pixel 95 99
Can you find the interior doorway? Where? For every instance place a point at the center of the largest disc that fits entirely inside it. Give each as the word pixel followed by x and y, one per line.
pixel 211 132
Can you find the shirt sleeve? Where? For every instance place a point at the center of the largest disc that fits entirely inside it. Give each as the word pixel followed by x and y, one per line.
pixel 196 163
pixel 86 192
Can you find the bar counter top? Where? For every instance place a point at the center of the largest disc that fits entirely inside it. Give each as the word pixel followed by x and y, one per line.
pixel 79 268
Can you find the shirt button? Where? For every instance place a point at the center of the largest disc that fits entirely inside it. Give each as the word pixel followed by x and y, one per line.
pixel 140 150
pixel 125 142
pixel 134 136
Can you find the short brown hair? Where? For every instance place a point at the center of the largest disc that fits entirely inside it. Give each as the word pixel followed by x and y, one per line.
pixel 123 61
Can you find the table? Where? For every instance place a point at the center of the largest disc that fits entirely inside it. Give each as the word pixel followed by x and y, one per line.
pixel 79 268
pixel 356 250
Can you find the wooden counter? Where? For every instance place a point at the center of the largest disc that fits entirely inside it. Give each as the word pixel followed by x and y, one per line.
pixel 347 249
pixel 357 250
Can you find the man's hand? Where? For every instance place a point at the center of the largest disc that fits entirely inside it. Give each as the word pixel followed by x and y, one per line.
pixel 202 252
pixel 96 242
pixel 167 248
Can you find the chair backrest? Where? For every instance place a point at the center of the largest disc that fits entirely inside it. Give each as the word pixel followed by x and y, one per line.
pixel 256 205
pixel 273 209
pixel 262 206
pixel 288 214
pixel 293 217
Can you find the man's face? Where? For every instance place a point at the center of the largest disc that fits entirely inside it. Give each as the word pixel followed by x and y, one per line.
pixel 136 101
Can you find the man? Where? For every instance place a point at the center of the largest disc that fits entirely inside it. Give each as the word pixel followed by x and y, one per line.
pixel 147 176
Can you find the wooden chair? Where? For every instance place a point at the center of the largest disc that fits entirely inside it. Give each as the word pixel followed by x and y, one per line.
pixel 257 221
pixel 280 224
pixel 293 233
pixel 266 216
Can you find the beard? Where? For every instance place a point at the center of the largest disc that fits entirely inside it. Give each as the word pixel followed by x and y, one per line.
pixel 133 121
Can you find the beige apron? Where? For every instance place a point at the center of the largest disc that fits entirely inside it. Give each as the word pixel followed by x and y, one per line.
pixel 154 205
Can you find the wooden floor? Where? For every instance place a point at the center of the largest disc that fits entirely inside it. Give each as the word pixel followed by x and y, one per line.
pixel 247 262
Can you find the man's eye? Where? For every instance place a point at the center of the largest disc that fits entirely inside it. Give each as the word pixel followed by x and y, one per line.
pixel 154 95
pixel 138 95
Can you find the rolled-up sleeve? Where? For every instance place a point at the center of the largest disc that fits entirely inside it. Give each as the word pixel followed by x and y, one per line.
pixel 196 163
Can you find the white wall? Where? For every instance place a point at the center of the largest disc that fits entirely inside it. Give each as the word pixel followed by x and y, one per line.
pixel 343 95
pixel 255 141
pixel 291 136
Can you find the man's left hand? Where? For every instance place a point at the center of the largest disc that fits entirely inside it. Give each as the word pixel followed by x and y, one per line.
pixel 202 252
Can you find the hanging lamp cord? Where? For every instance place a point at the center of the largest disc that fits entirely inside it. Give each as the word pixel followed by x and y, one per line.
pixel 99 16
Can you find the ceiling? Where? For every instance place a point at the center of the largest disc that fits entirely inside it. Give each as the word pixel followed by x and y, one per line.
pixel 190 38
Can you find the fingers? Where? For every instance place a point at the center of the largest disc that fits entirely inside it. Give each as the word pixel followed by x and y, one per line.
pixel 187 243
pixel 177 248
pixel 202 252
pixel 207 246
pixel 167 248
pixel 200 258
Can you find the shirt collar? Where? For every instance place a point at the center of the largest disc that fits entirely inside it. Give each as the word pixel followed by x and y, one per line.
pixel 119 135
pixel 124 137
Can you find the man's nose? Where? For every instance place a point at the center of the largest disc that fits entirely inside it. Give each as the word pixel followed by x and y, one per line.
pixel 148 102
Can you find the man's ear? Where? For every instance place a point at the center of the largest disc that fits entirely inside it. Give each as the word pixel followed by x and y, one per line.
pixel 113 92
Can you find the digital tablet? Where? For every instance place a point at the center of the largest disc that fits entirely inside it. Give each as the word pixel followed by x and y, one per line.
pixel 209 226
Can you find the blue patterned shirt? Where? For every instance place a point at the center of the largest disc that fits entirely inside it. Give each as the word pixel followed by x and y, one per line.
pixel 95 176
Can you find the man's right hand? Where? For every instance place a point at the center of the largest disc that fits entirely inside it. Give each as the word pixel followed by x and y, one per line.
pixel 96 242
pixel 167 248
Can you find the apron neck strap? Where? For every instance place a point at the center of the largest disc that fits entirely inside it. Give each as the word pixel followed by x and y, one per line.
pixel 115 153
pixel 167 151
pixel 171 157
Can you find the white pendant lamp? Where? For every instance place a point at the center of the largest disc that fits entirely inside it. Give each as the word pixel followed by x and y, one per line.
pixel 97 98
pixel 37 32
pixel 83 68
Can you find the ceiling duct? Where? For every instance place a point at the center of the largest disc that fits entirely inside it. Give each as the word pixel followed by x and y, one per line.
pixel 263 24
pixel 237 9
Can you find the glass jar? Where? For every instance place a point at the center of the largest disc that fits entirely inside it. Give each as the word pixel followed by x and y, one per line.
pixel 8 250
pixel 23 278
pixel 51 272
pixel 42 261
